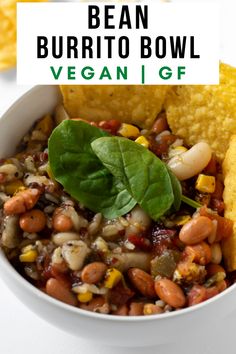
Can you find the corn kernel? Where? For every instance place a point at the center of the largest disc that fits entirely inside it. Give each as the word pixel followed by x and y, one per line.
pixel 206 184
pixel 27 248
pixel 182 220
pixel 14 187
pixel 113 276
pixel 151 309
pixel 128 131
pixel 29 256
pixel 85 297
pixel 142 141
pixel 178 150
pixel 147 310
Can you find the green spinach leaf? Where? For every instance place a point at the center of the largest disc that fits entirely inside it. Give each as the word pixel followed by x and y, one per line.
pixel 83 176
pixel 144 175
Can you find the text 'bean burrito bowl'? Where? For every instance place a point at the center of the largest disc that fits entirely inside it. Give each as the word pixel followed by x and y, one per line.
pixel 122 201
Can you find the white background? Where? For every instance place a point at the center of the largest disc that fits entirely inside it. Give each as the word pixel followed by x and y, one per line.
pixel 22 332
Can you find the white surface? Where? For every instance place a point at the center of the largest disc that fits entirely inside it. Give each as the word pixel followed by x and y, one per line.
pixel 22 332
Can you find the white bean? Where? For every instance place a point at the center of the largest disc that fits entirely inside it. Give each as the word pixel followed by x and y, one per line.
pixel 57 256
pixel 124 261
pixel 77 220
pixel 140 217
pixel 11 233
pixel 95 224
pixel 11 171
pixel 74 253
pixel 63 237
pixel 138 221
pixel 191 162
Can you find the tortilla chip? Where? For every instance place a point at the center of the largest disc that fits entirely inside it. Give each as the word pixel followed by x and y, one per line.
pixel 133 104
pixel 8 32
pixel 229 170
pixel 205 113
pixel 7 42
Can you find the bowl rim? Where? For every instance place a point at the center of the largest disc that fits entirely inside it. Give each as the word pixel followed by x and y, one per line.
pixel 8 268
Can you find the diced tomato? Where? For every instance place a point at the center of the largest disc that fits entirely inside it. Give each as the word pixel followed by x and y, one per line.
pixel 211 168
pixel 224 226
pixel 218 193
pixel 2 177
pixel 120 294
pixel 211 292
pixel 196 295
pixel 140 242
pixel 162 239
pixel 217 205
pixel 111 126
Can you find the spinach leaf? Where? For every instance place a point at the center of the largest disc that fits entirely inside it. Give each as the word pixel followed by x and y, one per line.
pixel 177 190
pixel 83 176
pixel 144 175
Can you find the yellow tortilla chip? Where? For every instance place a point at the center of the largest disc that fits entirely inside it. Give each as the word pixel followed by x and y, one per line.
pixel 205 113
pixel 229 170
pixel 7 42
pixel 8 32
pixel 134 104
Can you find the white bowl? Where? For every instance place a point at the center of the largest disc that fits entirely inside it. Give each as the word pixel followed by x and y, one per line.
pixel 111 330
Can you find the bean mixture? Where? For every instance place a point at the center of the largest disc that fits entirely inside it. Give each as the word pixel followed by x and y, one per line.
pixel 129 266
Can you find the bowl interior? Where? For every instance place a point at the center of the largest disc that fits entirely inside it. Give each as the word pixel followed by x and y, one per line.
pixel 21 116
pixel 13 125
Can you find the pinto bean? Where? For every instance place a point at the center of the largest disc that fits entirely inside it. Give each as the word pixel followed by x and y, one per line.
pixel 22 201
pixel 216 253
pixel 196 230
pixel 56 289
pixel 160 124
pixel 95 305
pixel 221 285
pixel 93 272
pixel 136 309
pixel 62 223
pixel 196 295
pixel 121 311
pixel 212 269
pixel 170 293
pixel 142 281
pixel 33 221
